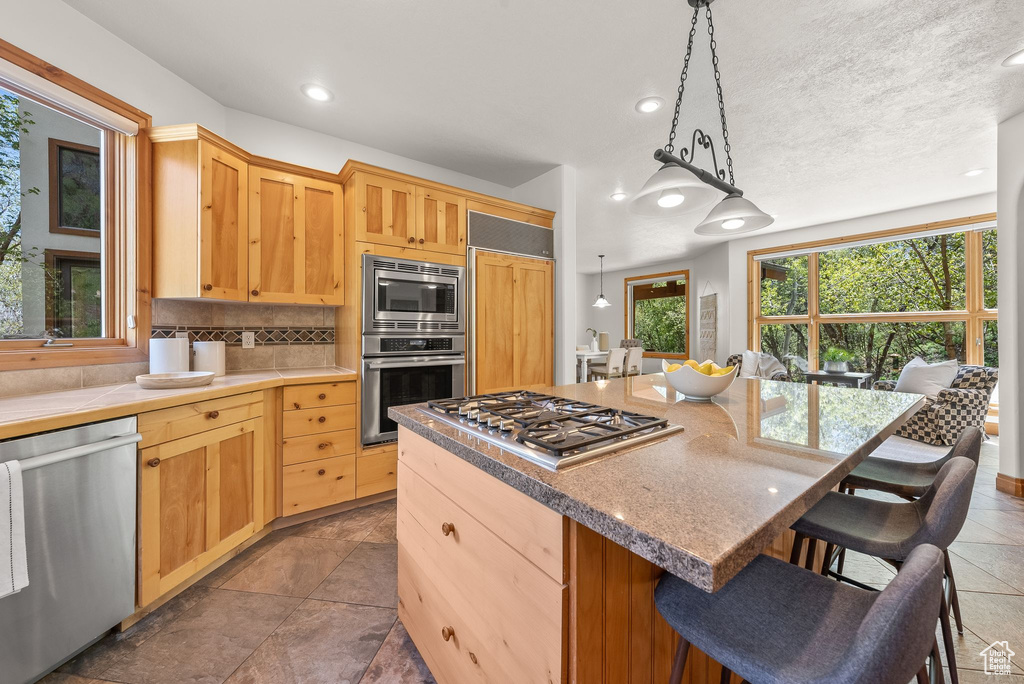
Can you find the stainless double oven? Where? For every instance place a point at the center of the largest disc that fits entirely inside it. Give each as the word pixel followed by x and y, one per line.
pixel 414 338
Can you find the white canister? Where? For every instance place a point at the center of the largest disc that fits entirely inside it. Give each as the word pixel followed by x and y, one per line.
pixel 603 341
pixel 168 356
pixel 209 356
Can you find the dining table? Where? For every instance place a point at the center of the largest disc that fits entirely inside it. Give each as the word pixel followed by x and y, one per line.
pixel 585 357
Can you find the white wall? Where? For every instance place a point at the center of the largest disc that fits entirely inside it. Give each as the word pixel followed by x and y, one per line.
pixel 1011 255
pixel 737 260
pixel 708 270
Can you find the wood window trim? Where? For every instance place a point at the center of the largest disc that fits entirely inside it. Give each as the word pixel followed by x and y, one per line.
pixel 973 316
pixel 53 172
pixel 127 238
pixel 628 308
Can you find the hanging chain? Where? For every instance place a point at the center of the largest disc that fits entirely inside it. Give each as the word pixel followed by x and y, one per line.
pixel 670 147
pixel 721 101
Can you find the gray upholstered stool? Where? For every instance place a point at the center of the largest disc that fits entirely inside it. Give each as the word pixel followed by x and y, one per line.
pixel 891 531
pixel 910 480
pixel 775 622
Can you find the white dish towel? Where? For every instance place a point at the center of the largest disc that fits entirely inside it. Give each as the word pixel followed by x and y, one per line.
pixel 13 559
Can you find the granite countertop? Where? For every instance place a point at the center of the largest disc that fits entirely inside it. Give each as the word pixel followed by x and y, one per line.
pixel 26 414
pixel 704 502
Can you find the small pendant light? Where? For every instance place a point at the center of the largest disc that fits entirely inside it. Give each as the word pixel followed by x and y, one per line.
pixel 601 302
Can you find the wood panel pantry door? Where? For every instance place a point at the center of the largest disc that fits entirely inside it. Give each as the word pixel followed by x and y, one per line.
pixel 534 323
pixel 296 240
pixel 200 496
pixel 223 224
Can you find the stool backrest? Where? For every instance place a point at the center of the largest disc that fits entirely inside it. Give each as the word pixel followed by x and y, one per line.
pixel 634 359
pixel 943 508
pixel 896 635
pixel 616 360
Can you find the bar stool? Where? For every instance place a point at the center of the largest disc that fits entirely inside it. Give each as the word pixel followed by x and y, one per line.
pixel 775 622
pixel 910 480
pixel 891 531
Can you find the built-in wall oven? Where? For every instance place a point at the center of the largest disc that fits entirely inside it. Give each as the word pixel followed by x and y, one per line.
pixel 414 342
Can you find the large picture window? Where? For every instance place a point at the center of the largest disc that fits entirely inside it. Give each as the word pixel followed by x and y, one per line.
pixel 658 313
pixel 927 291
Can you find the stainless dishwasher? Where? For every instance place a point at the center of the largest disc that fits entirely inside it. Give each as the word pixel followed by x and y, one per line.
pixel 79 487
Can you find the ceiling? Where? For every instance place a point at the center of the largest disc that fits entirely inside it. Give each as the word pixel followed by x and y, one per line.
pixel 837 108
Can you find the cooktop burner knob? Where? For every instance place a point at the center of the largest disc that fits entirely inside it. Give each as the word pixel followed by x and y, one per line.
pixel 506 425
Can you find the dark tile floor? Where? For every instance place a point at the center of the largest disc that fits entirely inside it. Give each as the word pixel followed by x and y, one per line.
pixel 317 603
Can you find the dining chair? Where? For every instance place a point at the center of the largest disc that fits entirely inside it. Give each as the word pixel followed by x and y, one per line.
pixel 634 360
pixel 614 365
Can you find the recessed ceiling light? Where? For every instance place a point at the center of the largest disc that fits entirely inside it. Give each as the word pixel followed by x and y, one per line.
pixel 649 104
pixel 974 172
pixel 618 196
pixel 1016 59
pixel 318 93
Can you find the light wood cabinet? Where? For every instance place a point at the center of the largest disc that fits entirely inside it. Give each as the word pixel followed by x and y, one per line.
pixel 385 210
pixel 200 221
pixel 200 496
pixel 440 221
pixel 296 239
pixel 514 326
pixel 377 470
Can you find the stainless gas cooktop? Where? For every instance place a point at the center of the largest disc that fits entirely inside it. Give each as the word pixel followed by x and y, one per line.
pixel 551 431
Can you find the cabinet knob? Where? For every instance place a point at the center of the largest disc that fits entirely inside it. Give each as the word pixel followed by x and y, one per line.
pixel 321 396
pixel 421 241
pixel 322 419
pixel 207 287
pixel 321 472
pixel 447 633
pixel 255 293
pixel 153 462
pixel 447 528
pixel 323 445
pixel 412 240
pixel 213 415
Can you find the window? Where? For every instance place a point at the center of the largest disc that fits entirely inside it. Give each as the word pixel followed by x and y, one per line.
pixel 73 220
pixel 659 313
pixel 75 187
pixel 885 298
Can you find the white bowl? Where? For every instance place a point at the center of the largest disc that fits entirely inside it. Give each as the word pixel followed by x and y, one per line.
pixel 694 385
pixel 174 380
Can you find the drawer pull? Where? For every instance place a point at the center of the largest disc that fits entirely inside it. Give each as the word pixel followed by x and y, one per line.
pixel 213 415
pixel 322 419
pixel 323 445
pixel 447 528
pixel 321 396
pixel 153 462
pixel 321 472
pixel 447 633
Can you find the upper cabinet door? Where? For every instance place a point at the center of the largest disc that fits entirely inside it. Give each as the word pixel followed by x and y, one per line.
pixel 223 224
pixel 384 211
pixel 440 221
pixel 296 243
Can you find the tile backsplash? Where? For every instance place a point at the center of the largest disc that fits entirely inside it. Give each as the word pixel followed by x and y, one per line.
pixel 286 337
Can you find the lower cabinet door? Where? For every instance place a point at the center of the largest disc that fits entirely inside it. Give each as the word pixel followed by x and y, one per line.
pixel 200 496
pixel 319 483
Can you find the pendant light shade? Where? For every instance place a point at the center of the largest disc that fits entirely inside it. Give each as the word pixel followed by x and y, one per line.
pixel 733 215
pixel 601 302
pixel 672 191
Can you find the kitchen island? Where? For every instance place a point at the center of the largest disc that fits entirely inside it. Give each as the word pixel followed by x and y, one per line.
pixel 509 571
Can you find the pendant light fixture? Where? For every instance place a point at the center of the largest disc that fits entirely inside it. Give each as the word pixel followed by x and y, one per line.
pixel 680 187
pixel 601 302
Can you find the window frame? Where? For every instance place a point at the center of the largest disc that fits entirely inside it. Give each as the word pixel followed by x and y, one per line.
pixel 54 257
pixel 627 298
pixel 55 146
pixel 127 236
pixel 974 315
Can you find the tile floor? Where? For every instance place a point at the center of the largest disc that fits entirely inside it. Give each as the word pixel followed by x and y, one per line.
pixel 317 603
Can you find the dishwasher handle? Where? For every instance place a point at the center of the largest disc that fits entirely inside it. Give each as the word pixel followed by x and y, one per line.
pixel 79 451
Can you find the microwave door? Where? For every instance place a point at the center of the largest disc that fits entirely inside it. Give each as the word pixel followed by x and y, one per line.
pixel 414 297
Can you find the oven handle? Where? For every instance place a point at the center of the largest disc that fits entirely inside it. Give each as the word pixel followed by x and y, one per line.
pixel 417 361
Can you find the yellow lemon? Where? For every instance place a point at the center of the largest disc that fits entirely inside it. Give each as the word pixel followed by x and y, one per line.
pixel 706 368
pixel 722 371
pixel 692 364
pixel 673 367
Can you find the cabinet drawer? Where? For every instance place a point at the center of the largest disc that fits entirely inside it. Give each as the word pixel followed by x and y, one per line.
pixel 531 528
pixel 164 425
pixel 500 597
pixel 313 396
pixel 319 483
pixel 317 420
pixel 376 472
pixel 313 447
